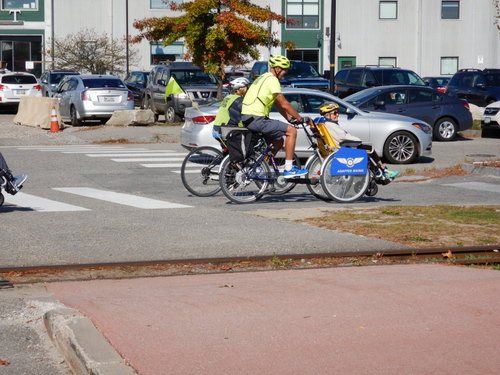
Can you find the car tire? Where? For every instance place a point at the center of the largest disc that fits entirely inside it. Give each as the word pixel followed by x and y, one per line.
pixel 445 129
pixel 170 115
pixel 75 121
pixel 401 147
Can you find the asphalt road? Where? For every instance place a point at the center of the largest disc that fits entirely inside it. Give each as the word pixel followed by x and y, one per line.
pixel 81 206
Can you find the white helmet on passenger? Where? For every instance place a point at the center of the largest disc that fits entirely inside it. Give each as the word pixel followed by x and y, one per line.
pixel 239 82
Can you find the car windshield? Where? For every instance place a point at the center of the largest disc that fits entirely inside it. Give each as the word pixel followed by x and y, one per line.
pixel 193 77
pixel 493 79
pixel 19 79
pixel 93 83
pixel 56 77
pixel 302 70
pixel 442 81
pixel 361 96
pixel 398 77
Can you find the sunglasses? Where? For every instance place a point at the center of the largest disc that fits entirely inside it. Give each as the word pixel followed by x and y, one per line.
pixel 334 112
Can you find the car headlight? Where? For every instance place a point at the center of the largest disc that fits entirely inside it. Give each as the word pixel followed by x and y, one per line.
pixel 182 96
pixel 424 127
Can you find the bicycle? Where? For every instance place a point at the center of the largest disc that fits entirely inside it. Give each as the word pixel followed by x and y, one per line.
pixel 258 174
pixel 201 166
pixel 249 180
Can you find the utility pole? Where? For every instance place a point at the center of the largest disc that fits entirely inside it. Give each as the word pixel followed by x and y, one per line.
pixel 126 35
pixel 52 34
pixel 332 44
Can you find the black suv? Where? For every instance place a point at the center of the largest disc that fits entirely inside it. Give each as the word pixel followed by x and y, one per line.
pixel 51 78
pixel 301 74
pixel 198 87
pixel 136 82
pixel 351 80
pixel 479 87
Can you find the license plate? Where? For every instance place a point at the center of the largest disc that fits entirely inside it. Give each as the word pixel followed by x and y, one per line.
pixel 487 120
pixel 19 92
pixel 108 99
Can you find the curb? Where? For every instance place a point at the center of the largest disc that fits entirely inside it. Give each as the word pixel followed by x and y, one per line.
pixel 84 348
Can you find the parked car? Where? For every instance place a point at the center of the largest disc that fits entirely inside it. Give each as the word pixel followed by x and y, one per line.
pixel 446 114
pixel 437 83
pixel 198 87
pixel 15 85
pixel 490 120
pixel 399 139
pixel 351 80
pixel 51 78
pixel 136 82
pixel 479 87
pixel 302 74
pixel 92 97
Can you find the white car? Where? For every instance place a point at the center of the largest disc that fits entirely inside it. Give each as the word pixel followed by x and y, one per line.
pixel 15 85
pixel 398 139
pixel 490 120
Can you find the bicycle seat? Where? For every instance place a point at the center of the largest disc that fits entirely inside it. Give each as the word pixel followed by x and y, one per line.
pixel 352 144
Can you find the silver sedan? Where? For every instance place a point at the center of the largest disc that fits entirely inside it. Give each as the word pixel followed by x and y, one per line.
pixel 92 97
pixel 398 139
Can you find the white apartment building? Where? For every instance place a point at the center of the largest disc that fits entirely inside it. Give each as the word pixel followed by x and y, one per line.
pixel 431 37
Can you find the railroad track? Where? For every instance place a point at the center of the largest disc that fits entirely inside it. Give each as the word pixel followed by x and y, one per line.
pixel 474 255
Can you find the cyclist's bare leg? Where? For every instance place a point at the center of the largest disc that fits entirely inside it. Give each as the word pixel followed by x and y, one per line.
pixel 291 139
pixel 277 144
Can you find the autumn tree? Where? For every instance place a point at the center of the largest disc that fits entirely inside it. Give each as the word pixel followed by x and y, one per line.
pixel 217 33
pixel 87 51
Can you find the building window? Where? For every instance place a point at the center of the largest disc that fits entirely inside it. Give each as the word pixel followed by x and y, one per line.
pixel 20 4
pixel 172 52
pixel 305 13
pixel 387 61
pixel 450 10
pixel 309 55
pixel 449 65
pixel 388 10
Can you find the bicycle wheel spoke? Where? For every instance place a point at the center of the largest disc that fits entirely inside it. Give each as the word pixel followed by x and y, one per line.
pixel 200 171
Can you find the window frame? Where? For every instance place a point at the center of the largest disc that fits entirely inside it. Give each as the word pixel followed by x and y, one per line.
pixel 386 2
pixel 450 58
pixel 302 4
pixel 36 8
pixel 449 2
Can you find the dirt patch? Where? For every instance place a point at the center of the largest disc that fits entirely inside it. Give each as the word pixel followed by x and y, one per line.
pixel 418 226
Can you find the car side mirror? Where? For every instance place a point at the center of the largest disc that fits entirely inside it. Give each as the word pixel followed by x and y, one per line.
pixel 481 86
pixel 44 81
pixel 142 83
pixel 162 82
pixel 350 112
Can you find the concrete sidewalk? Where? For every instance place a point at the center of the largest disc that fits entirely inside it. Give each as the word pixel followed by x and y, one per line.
pixel 408 319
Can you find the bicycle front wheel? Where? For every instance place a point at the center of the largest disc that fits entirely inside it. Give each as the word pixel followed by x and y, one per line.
pixel 243 184
pixel 200 171
pixel 343 188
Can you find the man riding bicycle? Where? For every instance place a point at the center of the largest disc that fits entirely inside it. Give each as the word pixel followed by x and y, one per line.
pixel 262 94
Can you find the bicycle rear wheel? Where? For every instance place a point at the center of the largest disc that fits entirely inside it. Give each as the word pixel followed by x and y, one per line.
pixel 343 188
pixel 313 165
pixel 241 185
pixel 281 184
pixel 200 171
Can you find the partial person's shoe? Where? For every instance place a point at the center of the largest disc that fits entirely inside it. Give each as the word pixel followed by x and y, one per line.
pixel 295 172
pixel 16 184
pixel 390 174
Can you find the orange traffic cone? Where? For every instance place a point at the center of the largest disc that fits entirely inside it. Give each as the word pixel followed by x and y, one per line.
pixel 54 124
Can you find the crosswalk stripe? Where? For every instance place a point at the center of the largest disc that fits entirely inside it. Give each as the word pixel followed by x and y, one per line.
pixel 95 155
pixel 40 204
pixel 477 186
pixel 127 151
pixel 163 165
pixel 121 198
pixel 125 160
